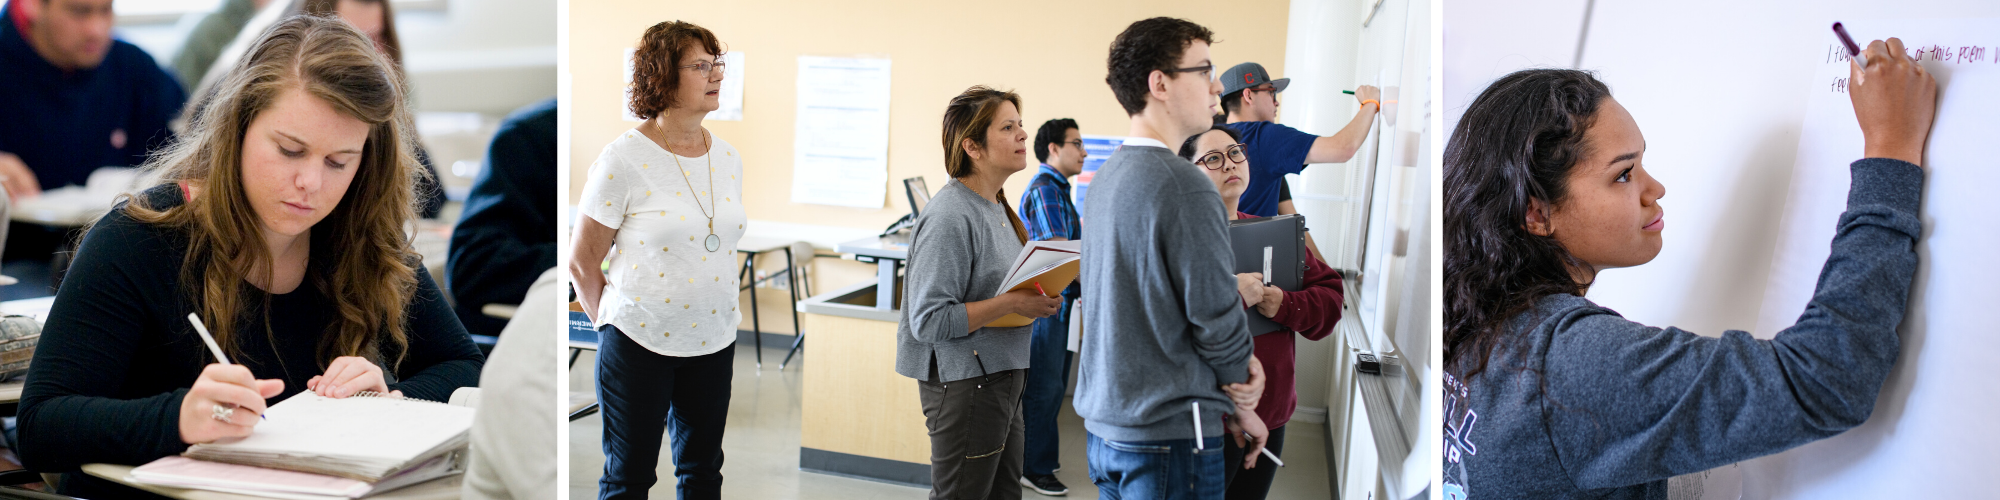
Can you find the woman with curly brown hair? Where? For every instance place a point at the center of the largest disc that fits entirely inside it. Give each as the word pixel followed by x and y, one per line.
pixel 667 197
pixel 280 223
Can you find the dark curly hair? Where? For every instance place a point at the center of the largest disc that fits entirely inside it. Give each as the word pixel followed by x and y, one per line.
pixel 1517 142
pixel 1146 46
pixel 655 75
pixel 1052 132
pixel 967 117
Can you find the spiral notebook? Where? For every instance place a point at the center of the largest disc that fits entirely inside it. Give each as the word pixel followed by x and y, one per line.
pixel 367 439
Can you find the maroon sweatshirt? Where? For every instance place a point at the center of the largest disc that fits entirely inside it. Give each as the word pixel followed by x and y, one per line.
pixel 1311 311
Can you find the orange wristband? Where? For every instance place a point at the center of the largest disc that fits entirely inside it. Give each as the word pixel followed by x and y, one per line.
pixel 1378 104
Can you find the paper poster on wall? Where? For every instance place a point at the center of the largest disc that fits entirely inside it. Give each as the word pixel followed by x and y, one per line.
pixel 731 93
pixel 840 150
pixel 1930 434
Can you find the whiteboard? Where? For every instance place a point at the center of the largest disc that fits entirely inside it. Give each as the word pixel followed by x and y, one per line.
pixel 1931 427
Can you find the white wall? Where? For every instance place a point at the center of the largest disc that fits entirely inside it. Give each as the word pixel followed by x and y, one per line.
pixel 1717 88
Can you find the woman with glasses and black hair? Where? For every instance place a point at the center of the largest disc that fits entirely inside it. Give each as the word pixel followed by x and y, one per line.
pixel 667 197
pixel 1310 311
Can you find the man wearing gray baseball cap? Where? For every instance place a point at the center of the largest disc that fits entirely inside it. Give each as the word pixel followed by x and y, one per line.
pixel 1250 98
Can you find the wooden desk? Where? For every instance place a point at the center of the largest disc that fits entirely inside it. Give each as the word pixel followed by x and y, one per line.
pixel 444 488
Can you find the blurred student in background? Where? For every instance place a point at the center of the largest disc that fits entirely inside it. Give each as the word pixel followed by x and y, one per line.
pixel 74 100
pixel 507 232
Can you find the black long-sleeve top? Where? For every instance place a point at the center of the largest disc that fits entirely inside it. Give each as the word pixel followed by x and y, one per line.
pixel 117 353
pixel 507 235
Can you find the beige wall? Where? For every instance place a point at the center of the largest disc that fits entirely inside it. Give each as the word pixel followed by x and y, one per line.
pixel 1051 52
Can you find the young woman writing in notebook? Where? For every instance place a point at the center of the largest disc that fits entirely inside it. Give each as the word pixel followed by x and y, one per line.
pixel 279 222
pixel 1548 395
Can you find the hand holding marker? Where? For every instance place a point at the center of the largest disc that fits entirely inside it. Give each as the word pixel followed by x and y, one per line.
pixel 1853 51
pixel 1364 102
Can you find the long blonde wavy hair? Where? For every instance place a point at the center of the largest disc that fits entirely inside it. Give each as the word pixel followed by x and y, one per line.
pixel 361 259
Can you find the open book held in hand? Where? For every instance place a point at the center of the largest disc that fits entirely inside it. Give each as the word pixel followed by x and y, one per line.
pixel 368 439
pixel 1052 264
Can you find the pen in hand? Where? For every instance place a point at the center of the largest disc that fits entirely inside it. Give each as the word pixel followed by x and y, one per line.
pixel 209 339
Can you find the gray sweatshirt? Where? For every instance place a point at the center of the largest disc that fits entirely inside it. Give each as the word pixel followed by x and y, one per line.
pixel 1579 402
pixel 1163 326
pixel 959 252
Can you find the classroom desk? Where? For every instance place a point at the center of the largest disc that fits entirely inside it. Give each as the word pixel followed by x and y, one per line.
pixel 37 308
pixel 444 488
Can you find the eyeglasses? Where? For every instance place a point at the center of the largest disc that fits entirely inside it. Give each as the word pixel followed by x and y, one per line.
pixel 706 66
pixel 1077 143
pixel 1204 69
pixel 1213 160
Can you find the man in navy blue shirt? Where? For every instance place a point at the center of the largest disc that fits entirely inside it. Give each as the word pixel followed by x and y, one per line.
pixel 1050 214
pixel 1250 97
pixel 74 100
pixel 506 236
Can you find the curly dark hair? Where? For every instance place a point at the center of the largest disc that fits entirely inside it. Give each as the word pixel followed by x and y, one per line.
pixel 967 117
pixel 1516 143
pixel 1146 46
pixel 1052 132
pixel 655 73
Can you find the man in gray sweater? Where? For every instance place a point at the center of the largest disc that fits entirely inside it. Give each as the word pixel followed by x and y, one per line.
pixel 1164 331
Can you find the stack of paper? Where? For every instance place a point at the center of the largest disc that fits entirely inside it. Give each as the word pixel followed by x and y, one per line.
pixel 1051 264
pixel 363 438
pixel 183 472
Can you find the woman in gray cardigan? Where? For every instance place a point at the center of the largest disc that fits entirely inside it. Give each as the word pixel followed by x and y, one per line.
pixel 969 376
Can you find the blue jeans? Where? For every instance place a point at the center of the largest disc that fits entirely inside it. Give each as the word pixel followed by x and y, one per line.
pixel 1041 399
pixel 647 396
pixel 1165 470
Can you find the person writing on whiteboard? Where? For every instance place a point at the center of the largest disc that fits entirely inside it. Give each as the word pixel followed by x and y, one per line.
pixel 1548 395
pixel 664 202
pixel 968 374
pixel 1166 354
pixel 1250 101
pixel 1311 311
pixel 279 222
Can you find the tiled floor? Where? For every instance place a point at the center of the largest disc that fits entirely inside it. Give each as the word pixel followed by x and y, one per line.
pixel 762 447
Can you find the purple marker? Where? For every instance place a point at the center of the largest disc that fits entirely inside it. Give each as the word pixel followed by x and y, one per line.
pixel 1853 50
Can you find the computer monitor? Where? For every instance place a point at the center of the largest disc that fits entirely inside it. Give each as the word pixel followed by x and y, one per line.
pixel 920 195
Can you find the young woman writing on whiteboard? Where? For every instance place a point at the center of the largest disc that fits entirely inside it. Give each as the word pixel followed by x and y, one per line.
pixel 279 223
pixel 1549 395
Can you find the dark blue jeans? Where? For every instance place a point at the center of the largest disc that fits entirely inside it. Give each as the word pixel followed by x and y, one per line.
pixel 646 395
pixel 1041 400
pixel 1165 470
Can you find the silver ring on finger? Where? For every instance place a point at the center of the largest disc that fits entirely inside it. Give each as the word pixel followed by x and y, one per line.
pixel 222 413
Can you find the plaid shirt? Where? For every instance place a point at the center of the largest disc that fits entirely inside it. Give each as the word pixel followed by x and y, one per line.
pixel 1048 212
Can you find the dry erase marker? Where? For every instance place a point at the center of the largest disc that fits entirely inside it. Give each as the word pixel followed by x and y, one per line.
pixel 1266 450
pixel 1853 50
pixel 1038 288
pixel 210 340
pixel 1348 92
